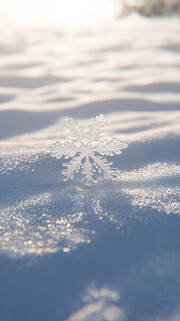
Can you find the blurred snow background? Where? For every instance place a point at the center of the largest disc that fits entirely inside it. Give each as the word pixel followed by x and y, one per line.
pixel 80 59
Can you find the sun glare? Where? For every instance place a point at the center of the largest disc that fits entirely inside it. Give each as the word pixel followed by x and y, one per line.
pixel 66 14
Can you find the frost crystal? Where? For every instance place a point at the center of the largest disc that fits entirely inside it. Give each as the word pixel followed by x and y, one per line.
pixel 83 149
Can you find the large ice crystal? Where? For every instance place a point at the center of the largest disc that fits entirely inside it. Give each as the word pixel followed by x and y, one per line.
pixel 83 149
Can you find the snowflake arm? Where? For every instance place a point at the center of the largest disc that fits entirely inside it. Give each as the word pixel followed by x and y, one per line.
pixel 111 147
pixel 74 130
pixel 97 127
pixel 88 171
pixel 103 165
pixel 67 150
pixel 73 166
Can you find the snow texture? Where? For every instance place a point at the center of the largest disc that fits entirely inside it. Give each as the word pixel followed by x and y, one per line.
pixel 83 149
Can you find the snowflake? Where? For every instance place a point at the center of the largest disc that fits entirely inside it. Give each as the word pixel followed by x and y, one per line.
pixel 83 148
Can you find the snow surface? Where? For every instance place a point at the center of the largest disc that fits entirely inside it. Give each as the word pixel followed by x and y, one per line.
pixel 109 251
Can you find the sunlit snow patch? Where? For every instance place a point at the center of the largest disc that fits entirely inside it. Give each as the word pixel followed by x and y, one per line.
pixel 99 305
